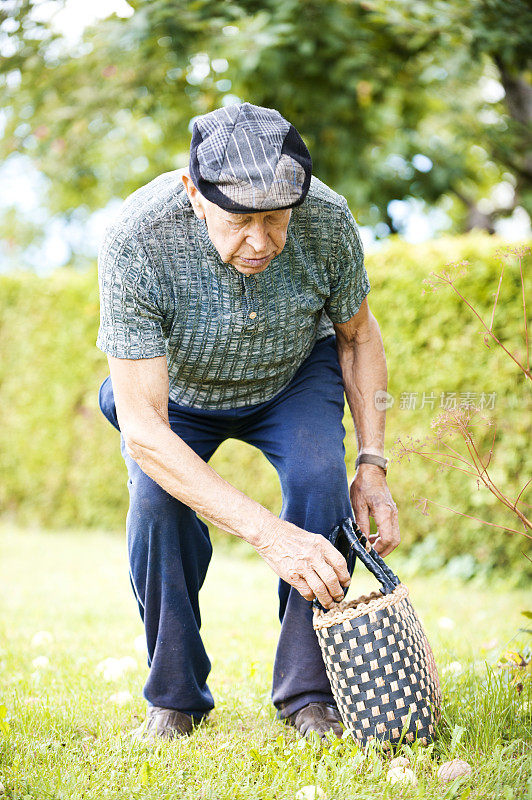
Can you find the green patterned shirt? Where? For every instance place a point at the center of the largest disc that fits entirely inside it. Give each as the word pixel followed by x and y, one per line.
pixel 230 340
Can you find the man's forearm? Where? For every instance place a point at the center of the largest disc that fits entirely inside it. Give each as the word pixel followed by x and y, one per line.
pixel 363 363
pixel 171 463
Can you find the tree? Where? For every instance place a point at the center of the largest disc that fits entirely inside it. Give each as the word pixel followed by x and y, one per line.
pixel 498 35
pixel 385 92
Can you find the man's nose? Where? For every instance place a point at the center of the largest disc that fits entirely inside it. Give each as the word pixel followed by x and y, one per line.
pixel 257 237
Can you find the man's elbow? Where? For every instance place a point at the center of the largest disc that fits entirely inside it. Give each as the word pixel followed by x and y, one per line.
pixel 132 445
pixel 141 440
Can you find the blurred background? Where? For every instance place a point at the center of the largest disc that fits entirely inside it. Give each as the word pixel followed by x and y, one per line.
pixel 417 112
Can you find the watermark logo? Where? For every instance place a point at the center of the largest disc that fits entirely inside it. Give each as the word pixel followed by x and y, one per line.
pixel 411 401
pixel 383 400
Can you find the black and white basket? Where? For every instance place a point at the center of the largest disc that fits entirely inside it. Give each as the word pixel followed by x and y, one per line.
pixel 380 665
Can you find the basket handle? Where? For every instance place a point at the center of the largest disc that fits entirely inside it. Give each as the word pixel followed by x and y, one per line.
pixel 369 556
pixel 351 542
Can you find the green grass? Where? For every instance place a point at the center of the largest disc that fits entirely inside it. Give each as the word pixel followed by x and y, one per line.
pixel 66 739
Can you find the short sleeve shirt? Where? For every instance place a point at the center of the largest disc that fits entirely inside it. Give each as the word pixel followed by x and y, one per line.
pixel 230 340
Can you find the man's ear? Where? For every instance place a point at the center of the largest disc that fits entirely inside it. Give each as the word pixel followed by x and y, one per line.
pixel 194 196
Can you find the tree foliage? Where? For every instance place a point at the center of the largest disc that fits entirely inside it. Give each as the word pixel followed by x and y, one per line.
pixel 371 85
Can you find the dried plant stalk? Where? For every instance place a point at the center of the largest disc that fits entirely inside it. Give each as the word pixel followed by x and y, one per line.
pixel 459 422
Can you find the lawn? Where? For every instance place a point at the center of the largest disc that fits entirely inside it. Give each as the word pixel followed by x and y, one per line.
pixel 67 607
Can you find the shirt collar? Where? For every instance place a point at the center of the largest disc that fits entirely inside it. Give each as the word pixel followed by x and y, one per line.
pixel 205 241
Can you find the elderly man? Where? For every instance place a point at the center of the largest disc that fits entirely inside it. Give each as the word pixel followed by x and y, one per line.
pixel 233 305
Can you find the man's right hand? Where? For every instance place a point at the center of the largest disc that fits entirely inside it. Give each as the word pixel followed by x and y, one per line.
pixel 307 561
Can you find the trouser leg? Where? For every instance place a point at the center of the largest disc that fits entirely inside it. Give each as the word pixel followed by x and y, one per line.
pixel 301 432
pixel 169 552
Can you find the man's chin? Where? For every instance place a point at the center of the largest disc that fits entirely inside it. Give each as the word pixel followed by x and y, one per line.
pixel 248 272
pixel 248 269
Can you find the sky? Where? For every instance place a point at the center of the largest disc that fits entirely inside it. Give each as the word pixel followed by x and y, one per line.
pixel 73 18
pixel 22 185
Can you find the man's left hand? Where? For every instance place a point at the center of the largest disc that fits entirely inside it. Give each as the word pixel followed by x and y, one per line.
pixel 370 496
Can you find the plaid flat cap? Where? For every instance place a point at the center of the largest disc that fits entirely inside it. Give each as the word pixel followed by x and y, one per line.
pixel 247 158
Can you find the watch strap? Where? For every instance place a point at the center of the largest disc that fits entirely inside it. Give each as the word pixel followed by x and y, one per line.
pixel 371 458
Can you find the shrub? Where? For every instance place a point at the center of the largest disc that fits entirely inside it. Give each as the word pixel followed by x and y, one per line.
pixel 60 459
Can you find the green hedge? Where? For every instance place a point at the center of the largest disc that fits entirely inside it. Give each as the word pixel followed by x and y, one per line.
pixel 60 459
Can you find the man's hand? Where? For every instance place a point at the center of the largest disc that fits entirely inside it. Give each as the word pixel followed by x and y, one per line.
pixel 307 561
pixel 370 496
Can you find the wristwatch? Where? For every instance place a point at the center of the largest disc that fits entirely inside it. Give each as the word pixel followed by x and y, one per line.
pixel 370 458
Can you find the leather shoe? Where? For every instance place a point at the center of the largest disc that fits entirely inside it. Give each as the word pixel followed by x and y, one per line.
pixel 317 718
pixel 163 723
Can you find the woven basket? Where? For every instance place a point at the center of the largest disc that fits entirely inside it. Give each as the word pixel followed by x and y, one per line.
pixel 379 663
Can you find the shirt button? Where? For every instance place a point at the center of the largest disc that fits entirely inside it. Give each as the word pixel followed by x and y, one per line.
pixel 253 315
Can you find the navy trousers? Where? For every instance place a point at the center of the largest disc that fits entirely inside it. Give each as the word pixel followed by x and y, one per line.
pixel 300 432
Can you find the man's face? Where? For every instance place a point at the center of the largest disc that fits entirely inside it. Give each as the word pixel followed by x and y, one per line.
pixel 247 241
